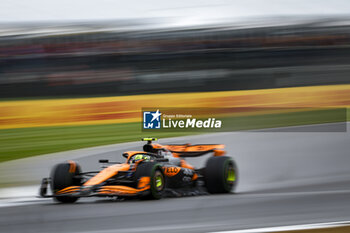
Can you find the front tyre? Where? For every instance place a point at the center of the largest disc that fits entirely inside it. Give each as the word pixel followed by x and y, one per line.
pixel 64 175
pixel 157 180
pixel 220 175
pixel 157 184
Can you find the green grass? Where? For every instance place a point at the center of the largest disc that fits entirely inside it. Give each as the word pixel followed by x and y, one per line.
pixel 25 142
pixel 319 116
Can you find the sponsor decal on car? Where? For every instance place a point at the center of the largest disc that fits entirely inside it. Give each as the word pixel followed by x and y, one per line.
pixel 171 171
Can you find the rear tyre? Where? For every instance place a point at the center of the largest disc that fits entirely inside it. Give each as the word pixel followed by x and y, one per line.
pixel 62 176
pixel 220 175
pixel 157 179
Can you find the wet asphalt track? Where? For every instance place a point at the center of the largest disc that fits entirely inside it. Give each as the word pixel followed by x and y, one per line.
pixel 286 178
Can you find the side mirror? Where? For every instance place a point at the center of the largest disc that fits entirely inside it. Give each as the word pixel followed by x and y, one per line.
pixel 103 161
pixel 125 155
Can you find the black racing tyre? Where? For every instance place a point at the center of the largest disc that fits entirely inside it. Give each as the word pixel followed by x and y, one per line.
pixel 62 176
pixel 155 172
pixel 220 174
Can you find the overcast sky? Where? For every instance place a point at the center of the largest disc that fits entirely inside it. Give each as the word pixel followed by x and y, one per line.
pixel 187 10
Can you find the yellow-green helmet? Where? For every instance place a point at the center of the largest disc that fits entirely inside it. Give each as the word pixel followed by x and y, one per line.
pixel 141 156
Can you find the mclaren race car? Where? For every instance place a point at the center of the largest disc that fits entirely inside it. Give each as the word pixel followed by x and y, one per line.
pixel 151 173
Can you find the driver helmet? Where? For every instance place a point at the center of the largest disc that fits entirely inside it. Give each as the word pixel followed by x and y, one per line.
pixel 141 156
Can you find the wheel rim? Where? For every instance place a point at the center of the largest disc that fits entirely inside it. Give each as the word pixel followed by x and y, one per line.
pixel 230 176
pixel 159 181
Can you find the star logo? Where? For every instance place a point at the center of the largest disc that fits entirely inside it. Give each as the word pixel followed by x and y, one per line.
pixel 156 115
pixel 151 120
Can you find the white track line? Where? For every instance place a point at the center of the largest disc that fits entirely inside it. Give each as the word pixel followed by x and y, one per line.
pixel 290 228
pixel 15 196
pixel 19 192
pixel 200 226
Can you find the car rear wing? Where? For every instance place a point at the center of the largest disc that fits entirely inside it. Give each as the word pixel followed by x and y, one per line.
pixel 188 150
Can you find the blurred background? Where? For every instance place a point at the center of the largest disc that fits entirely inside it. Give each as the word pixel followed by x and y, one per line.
pixel 91 66
pixel 77 74
pixel 119 58
pixel 50 49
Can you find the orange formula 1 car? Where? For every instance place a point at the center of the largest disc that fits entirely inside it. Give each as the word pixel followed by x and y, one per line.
pixel 151 173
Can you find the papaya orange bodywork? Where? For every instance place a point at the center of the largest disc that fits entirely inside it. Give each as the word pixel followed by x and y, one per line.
pixel 144 185
pixel 184 164
pixel 70 189
pixel 72 166
pixel 219 152
pixel 121 190
pixel 107 173
pixel 143 182
pixel 194 148
pixel 195 176
pixel 94 186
